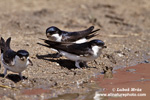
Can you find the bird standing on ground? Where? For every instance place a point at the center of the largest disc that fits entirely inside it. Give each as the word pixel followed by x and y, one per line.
pixel 13 61
pixel 82 52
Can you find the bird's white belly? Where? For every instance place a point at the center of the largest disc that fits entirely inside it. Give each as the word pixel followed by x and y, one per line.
pixel 79 58
pixel 70 56
pixel 15 68
pixel 81 41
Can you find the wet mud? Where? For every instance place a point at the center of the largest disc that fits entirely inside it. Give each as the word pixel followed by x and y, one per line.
pixel 132 81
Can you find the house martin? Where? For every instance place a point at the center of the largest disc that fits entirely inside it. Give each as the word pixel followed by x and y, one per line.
pixel 80 53
pixel 55 34
pixel 13 61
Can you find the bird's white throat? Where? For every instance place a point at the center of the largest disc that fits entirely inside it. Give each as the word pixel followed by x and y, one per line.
pixel 96 50
pixel 57 37
pixel 21 63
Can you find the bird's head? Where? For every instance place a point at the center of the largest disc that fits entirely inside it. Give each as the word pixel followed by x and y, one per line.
pixel 23 54
pixel 98 43
pixel 52 30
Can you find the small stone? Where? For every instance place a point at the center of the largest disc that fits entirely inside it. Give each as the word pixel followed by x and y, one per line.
pixel 57 64
pixel 120 55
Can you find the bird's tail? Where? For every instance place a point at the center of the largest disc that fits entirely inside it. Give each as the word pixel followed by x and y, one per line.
pixel 5 45
pixel 92 34
pixel 88 33
pixel 50 44
pixel 43 45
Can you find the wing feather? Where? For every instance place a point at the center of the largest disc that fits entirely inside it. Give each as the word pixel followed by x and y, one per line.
pixel 74 36
pixel 77 49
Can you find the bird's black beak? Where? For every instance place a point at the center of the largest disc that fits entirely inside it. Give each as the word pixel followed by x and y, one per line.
pixel 104 46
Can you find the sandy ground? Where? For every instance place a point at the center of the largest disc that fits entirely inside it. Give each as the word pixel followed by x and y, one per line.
pixel 124 28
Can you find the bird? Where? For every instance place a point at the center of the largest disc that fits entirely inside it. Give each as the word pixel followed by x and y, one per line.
pixel 12 60
pixel 55 34
pixel 80 53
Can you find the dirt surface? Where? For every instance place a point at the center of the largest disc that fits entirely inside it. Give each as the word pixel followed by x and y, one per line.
pixel 124 28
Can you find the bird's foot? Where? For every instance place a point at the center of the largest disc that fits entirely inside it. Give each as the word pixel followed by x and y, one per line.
pixel 5 73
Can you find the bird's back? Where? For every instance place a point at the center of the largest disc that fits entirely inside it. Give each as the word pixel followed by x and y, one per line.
pixel 74 36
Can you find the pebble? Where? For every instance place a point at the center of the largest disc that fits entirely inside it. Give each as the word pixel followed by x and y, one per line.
pixel 57 64
pixel 120 55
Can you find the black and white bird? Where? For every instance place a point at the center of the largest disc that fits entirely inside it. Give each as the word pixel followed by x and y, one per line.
pixel 82 52
pixel 13 61
pixel 55 34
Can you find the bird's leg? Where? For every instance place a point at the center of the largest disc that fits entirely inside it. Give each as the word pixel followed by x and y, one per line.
pixel 77 64
pixel 20 76
pixel 5 73
pixel 58 55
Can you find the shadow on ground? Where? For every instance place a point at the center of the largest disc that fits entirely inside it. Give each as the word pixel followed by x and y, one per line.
pixel 13 77
pixel 62 62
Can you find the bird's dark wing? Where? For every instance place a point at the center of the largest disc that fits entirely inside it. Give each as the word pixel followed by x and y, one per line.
pixel 8 43
pixel 8 56
pixel 74 36
pixel 5 45
pixel 92 34
pixel 2 45
pixel 78 49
